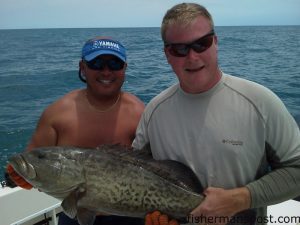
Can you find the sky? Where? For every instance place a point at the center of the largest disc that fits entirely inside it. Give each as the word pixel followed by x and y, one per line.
pixel 27 14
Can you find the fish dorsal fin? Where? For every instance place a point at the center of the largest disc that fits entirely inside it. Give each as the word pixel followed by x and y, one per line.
pixel 177 173
pixel 126 153
pixel 173 171
pixel 114 149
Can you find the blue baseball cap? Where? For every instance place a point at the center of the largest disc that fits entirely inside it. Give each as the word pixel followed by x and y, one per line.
pixel 103 46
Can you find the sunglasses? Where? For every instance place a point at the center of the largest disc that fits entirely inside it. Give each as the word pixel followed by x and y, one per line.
pixel 200 45
pixel 113 64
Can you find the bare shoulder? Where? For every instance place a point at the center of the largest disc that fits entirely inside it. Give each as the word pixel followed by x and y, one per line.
pixel 64 103
pixel 132 102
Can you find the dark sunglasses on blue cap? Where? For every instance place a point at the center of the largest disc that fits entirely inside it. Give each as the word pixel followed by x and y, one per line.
pixel 200 45
pixel 113 64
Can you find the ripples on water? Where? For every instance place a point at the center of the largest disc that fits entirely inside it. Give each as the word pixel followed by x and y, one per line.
pixel 39 66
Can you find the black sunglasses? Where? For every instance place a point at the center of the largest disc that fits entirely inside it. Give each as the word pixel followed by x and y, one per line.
pixel 200 45
pixel 99 63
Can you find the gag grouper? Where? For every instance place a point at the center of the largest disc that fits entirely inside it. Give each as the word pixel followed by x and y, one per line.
pixel 110 179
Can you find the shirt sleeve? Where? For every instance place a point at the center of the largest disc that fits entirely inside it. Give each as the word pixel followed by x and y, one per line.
pixel 283 156
pixel 141 136
pixel 277 186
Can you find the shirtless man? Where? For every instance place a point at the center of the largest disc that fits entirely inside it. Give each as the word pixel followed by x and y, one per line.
pixel 99 114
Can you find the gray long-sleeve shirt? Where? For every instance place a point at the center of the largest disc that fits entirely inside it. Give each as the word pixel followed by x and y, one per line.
pixel 237 134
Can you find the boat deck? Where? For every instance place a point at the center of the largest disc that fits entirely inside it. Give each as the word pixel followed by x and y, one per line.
pixel 19 206
pixel 23 207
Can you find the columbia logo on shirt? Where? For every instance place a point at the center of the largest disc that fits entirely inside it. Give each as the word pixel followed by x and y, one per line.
pixel 232 142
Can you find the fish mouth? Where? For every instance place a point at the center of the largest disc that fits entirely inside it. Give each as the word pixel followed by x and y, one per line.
pixel 22 167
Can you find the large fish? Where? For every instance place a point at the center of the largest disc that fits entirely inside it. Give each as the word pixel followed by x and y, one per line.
pixel 111 180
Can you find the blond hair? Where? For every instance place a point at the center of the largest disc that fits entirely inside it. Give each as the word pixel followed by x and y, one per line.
pixel 184 14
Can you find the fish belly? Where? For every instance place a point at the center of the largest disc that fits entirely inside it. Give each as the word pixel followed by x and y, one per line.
pixel 129 190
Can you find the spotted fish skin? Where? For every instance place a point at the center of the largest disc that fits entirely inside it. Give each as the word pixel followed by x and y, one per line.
pixel 110 179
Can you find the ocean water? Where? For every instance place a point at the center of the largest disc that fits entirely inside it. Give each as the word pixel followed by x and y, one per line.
pixel 38 66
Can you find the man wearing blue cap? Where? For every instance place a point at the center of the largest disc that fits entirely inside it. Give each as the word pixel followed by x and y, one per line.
pixel 99 114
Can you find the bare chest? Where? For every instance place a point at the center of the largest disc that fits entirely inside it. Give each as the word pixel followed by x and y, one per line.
pixel 94 130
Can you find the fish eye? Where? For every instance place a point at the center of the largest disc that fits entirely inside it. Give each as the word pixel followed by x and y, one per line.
pixel 41 155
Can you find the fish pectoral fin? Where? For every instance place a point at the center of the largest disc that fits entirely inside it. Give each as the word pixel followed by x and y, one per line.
pixel 85 216
pixel 69 205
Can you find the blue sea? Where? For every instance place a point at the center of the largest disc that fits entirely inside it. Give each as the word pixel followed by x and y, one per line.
pixel 37 66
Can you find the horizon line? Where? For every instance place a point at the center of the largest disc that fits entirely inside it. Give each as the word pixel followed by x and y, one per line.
pixel 125 27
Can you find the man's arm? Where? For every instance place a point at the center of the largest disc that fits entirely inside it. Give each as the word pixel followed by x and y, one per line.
pixel 220 205
pixel 277 186
pixel 45 133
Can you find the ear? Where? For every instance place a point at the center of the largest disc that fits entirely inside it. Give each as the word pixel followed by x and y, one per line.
pixel 81 65
pixel 216 40
pixel 167 54
pixel 81 70
pixel 215 43
pixel 125 66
